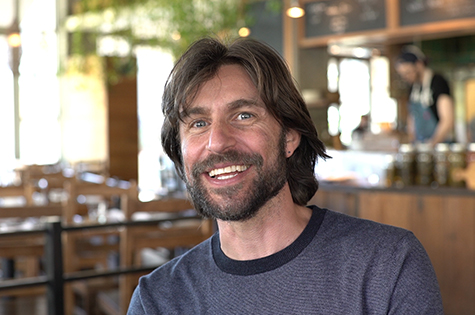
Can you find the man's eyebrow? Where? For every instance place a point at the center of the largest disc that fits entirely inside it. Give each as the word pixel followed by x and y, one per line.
pixel 197 110
pixel 236 104
pixel 242 102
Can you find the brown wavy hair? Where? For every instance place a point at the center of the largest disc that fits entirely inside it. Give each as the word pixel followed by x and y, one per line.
pixel 276 87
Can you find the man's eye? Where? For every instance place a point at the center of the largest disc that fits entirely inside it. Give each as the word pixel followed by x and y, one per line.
pixel 199 124
pixel 244 116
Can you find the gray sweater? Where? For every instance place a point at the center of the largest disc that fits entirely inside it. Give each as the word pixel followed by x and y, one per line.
pixel 338 265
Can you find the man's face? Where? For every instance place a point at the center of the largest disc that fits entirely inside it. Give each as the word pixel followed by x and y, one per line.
pixel 233 148
pixel 408 72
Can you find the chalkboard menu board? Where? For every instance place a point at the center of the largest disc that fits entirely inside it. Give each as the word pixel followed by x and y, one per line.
pixel 425 11
pixel 343 16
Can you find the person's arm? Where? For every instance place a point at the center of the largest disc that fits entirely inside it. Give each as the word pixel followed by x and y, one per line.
pixel 445 109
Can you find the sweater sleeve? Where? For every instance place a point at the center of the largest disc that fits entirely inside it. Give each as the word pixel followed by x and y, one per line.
pixel 135 306
pixel 416 290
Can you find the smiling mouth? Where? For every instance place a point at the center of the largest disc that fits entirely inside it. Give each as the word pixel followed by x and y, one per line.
pixel 227 172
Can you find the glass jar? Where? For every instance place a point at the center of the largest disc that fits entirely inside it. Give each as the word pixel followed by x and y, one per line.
pixel 470 154
pixel 457 162
pixel 424 164
pixel 390 170
pixel 441 164
pixel 406 165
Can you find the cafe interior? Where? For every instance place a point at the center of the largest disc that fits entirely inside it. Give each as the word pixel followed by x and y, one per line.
pixel 89 202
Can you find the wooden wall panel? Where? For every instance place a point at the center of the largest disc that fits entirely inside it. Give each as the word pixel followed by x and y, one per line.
pixel 427 224
pixel 445 225
pixel 387 208
pixel 457 274
pixel 123 129
pixel 344 202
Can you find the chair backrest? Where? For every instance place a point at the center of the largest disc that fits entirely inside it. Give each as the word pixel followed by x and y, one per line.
pixel 170 205
pixel 25 190
pixel 186 233
pixel 24 212
pixel 23 252
pixel 28 208
pixel 103 191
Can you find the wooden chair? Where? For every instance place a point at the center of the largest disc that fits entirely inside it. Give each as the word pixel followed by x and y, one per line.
pixel 71 207
pixel 184 233
pixel 46 179
pixel 13 247
pixel 24 212
pixel 24 191
pixel 89 249
pixel 24 252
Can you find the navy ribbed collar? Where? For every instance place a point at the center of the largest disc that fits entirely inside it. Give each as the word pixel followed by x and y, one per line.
pixel 256 266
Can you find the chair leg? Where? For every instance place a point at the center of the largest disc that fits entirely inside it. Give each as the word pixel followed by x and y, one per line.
pixel 69 300
pixel 125 292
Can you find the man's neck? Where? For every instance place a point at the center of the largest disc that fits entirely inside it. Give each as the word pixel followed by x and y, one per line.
pixel 275 227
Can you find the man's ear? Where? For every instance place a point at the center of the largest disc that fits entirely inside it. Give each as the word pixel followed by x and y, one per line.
pixel 292 139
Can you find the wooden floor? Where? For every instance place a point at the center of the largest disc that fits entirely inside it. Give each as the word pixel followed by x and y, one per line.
pixel 25 305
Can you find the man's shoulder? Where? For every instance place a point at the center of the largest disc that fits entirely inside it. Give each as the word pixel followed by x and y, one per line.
pixel 440 83
pixel 365 241
pixel 188 262
pixel 339 225
pixel 164 290
pixel 438 77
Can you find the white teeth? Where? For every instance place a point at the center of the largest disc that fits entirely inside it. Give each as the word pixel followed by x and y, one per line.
pixel 225 176
pixel 228 169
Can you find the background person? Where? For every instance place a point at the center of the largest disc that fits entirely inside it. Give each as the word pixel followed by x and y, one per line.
pixel 242 139
pixel 431 109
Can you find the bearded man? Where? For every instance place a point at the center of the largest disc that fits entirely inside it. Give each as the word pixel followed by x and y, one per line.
pixel 242 139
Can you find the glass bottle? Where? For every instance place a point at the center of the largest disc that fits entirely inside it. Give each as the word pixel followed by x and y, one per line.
pixel 457 162
pixel 441 164
pixel 470 155
pixel 424 164
pixel 390 170
pixel 406 164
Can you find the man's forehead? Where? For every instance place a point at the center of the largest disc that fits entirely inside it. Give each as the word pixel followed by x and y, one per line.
pixel 406 67
pixel 406 64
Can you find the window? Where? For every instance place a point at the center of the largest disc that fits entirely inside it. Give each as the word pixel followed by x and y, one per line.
pixel 363 85
pixel 7 118
pixel 354 88
pixel 156 171
pixel 39 135
pixel 40 132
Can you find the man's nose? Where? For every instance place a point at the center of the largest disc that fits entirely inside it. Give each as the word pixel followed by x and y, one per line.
pixel 221 138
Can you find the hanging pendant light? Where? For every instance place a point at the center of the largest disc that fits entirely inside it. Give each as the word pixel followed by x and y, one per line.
pixel 14 40
pixel 244 31
pixel 295 10
pixel 14 37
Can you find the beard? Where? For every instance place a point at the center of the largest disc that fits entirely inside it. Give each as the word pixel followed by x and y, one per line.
pixel 267 184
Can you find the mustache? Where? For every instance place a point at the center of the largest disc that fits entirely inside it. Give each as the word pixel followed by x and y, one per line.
pixel 231 156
